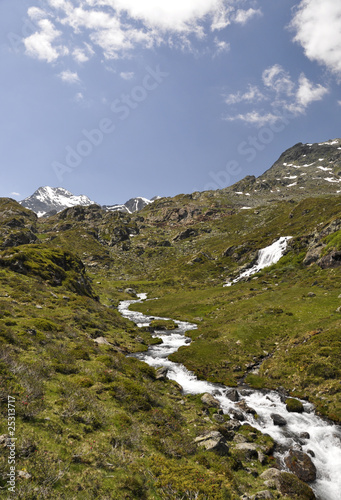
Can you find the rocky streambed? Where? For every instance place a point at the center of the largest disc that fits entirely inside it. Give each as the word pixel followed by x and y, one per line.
pixel 306 445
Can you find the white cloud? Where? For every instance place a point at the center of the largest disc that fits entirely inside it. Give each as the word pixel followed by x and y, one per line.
pixel 221 18
pixel 308 92
pixel 243 16
pixel 15 194
pixel 35 13
pixel 282 94
pixel 221 46
pixel 253 94
pixel 317 25
pixel 83 54
pixel 69 77
pixel 255 118
pixel 277 79
pixel 39 45
pixel 177 15
pixel 79 97
pixel 119 26
pixel 127 75
pixel 339 103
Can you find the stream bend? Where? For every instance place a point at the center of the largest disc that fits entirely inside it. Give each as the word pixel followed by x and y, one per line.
pixel 324 438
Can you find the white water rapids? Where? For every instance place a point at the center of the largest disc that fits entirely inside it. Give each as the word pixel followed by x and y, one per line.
pixel 324 440
pixel 266 257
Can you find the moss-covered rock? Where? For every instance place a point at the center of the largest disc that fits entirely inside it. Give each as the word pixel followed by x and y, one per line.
pixel 294 405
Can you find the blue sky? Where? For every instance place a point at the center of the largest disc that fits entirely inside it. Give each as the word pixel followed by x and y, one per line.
pixel 122 98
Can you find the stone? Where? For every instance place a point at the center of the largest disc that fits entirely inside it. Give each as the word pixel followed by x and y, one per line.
pixel 301 464
pixel 313 255
pixel 248 450
pixel 330 261
pixel 262 459
pixel 237 415
pixel 311 453
pixel 294 405
pixel 278 419
pixel 188 233
pixel 161 373
pixel 213 441
pixel 311 294
pixel 218 418
pixel 246 408
pixel 5 440
pixel 209 400
pixel 305 435
pixel 101 341
pixel 130 291
pixel 21 474
pixel 216 392
pixel 228 435
pixel 291 487
pixel 270 474
pixel 232 425
pixel 233 395
pixel 270 484
pixel 239 438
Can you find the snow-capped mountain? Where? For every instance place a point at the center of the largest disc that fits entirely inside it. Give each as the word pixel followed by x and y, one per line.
pixel 130 206
pixel 47 199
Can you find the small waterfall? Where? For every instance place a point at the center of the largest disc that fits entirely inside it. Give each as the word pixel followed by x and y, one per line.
pixel 324 438
pixel 266 257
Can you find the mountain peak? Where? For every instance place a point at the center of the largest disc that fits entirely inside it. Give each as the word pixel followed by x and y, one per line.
pixel 46 198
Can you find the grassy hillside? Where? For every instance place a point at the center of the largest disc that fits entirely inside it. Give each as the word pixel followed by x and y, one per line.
pixel 93 423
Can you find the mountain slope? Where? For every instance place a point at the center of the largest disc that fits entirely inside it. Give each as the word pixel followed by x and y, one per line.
pixel 301 171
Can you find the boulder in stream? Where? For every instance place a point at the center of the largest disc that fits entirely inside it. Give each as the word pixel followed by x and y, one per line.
pixel 278 419
pixel 233 395
pixel 294 405
pixel 238 415
pixel 245 407
pixel 301 464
